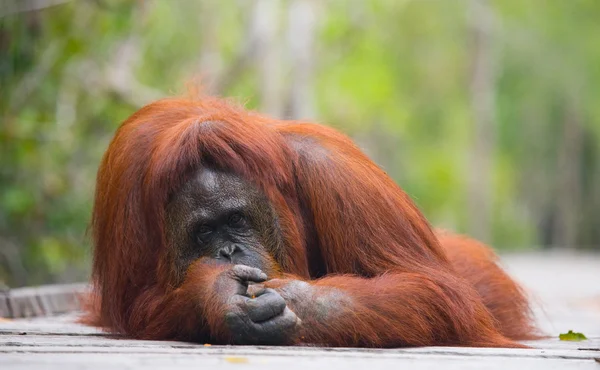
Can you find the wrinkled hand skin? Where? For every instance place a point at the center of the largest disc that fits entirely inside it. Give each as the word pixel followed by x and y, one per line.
pixel 299 295
pixel 254 314
pixel 318 306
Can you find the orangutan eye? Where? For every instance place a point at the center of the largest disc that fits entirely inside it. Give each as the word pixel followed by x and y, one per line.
pixel 204 230
pixel 236 220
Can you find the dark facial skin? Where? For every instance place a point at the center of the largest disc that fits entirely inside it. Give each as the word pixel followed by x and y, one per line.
pixel 219 216
pixel 222 219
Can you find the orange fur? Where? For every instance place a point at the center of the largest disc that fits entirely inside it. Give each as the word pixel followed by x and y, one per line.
pixel 349 231
pixel 503 297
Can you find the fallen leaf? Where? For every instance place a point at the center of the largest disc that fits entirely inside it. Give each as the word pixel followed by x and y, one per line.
pixel 571 336
pixel 236 360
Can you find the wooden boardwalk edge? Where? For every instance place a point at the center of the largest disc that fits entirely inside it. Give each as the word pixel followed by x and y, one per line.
pixel 45 300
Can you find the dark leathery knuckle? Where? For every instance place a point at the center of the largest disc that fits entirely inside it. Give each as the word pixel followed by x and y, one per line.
pixel 236 302
pixel 278 303
pixel 288 318
pixel 246 272
pixel 233 318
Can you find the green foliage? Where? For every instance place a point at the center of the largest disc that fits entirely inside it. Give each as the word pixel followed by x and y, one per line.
pixel 393 74
pixel 572 336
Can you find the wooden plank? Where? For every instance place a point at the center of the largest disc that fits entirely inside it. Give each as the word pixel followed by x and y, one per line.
pixel 56 343
pixel 56 325
pixel 317 360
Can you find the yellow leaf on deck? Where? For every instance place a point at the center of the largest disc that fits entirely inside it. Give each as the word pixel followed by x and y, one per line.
pixel 236 360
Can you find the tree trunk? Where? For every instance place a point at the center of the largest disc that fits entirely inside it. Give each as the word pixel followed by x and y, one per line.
pixel 301 34
pixel 483 108
pixel 568 179
pixel 268 58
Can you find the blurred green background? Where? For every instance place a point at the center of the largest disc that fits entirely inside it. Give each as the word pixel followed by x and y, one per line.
pixel 485 112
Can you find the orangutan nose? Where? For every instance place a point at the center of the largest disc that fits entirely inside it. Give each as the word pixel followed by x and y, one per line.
pixel 229 251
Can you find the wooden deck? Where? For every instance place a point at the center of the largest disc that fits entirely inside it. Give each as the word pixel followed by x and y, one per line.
pixel 566 290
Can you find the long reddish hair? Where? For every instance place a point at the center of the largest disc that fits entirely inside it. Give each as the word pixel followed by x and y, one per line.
pixel 338 211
